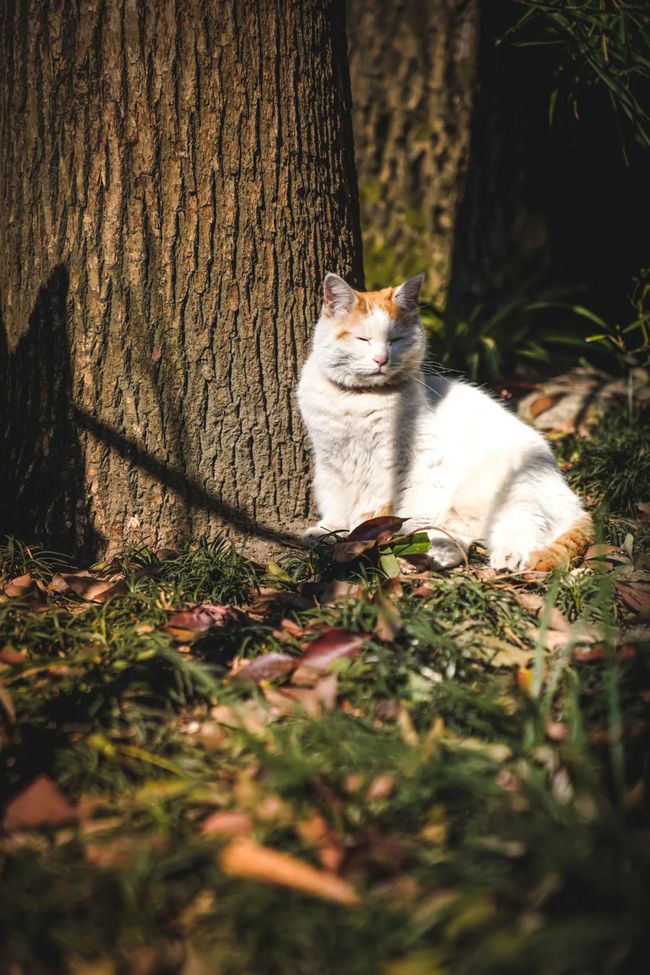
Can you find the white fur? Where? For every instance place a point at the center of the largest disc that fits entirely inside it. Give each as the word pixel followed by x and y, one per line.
pixel 441 452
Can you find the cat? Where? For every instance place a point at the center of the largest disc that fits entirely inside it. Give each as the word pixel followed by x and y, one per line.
pixel 438 452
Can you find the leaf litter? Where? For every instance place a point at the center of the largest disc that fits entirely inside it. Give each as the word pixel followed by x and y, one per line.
pixel 330 735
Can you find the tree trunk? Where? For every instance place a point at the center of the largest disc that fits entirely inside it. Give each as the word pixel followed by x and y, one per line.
pixel 175 180
pixel 411 65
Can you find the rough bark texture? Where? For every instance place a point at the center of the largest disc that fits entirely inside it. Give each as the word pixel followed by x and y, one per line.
pixel 411 65
pixel 175 179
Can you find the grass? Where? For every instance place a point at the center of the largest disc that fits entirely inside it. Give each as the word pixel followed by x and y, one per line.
pixel 482 797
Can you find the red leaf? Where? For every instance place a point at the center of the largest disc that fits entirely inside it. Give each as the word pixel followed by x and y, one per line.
pixel 88 586
pixel 40 804
pixel 267 666
pixel 332 645
pixel 379 530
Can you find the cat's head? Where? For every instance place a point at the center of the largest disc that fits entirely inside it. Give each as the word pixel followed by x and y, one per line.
pixel 366 339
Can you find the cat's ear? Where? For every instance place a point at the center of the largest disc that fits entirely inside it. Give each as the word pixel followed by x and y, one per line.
pixel 337 295
pixel 406 296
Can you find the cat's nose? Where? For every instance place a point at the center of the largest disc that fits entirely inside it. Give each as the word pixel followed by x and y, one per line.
pixel 381 358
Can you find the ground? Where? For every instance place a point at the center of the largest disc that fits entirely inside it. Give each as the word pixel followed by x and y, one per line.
pixel 215 767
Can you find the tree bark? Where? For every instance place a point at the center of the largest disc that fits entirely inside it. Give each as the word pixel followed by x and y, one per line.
pixel 411 65
pixel 175 180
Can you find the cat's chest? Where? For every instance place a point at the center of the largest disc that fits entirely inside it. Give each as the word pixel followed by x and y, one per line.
pixel 352 421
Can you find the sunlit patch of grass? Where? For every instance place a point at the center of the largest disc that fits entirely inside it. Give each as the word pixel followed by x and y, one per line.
pixel 489 824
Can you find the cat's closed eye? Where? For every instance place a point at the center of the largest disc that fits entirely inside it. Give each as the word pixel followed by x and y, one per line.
pixel 361 339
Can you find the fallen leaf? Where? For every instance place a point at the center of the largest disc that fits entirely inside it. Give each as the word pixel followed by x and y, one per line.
pixel 251 716
pixel 530 601
pixel 314 699
pixel 332 645
pixel 192 623
pixel 245 858
pixel 331 592
pixel 315 831
pixel 28 590
pixel 635 595
pixel 379 530
pixel 11 657
pixel 89 587
pixel 20 586
pixel 599 652
pixel 347 551
pixel 389 619
pixel 7 704
pixel 40 804
pixel 268 666
pixel 227 822
pixel 381 786
pixel 542 404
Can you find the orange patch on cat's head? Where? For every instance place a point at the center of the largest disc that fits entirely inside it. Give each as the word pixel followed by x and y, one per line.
pixel 365 303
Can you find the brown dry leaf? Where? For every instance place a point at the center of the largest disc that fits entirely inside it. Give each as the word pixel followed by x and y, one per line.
pixel 347 551
pixel 635 595
pixel 246 858
pixel 227 822
pixel 331 645
pixel 89 587
pixel 7 704
pixel 20 586
pixel 507 655
pixel 289 630
pixel 381 786
pixel 290 700
pixel 389 619
pixel 12 657
pixel 315 831
pixel 339 590
pixel 116 852
pixel 314 700
pixel 553 639
pixel 189 624
pixel 29 590
pixel 530 601
pixel 542 404
pixel 40 804
pixel 267 597
pixel 379 530
pixel 251 716
pixel 423 591
pixel 268 666
pixel 405 725
pixel 599 652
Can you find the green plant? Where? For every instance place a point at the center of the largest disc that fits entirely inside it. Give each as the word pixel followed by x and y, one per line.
pixel 599 43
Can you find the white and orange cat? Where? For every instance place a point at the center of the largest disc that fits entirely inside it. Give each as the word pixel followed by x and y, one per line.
pixel 388 439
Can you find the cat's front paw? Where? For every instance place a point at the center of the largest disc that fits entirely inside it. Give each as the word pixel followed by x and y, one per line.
pixel 316 534
pixel 509 557
pixel 444 553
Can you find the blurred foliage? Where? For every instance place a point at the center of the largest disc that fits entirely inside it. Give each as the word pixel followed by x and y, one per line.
pixel 600 43
pixel 538 324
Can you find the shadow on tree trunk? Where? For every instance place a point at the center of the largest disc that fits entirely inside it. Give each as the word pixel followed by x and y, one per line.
pixel 42 469
pixel 44 495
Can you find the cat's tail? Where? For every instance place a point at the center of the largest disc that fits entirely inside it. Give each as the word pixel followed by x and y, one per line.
pixel 565 547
